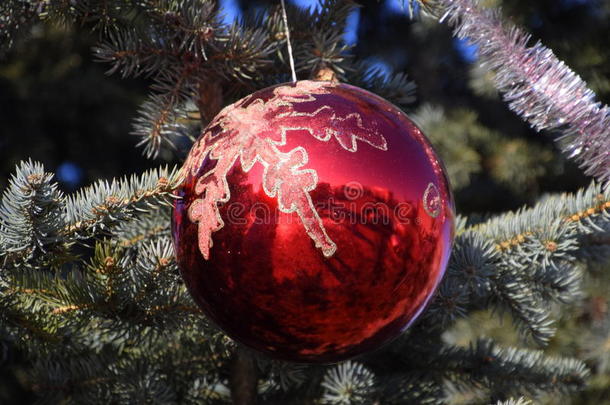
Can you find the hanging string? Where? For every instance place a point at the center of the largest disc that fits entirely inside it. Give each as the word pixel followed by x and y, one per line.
pixel 290 57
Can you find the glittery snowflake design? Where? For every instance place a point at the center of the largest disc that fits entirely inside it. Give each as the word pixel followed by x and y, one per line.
pixel 253 131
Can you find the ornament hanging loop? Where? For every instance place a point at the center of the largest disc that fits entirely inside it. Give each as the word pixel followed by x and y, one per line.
pixel 288 43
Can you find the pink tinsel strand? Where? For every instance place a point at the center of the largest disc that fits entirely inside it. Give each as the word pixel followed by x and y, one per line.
pixel 537 86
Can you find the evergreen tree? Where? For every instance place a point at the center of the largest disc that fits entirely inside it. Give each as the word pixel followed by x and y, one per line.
pixel 92 307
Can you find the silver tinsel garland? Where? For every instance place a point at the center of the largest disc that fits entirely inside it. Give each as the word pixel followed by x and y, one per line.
pixel 536 85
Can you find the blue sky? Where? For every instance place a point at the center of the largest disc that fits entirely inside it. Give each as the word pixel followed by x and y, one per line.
pixel 69 174
pixel 231 12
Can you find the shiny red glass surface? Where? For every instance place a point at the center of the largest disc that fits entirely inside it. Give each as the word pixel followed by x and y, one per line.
pixel 389 213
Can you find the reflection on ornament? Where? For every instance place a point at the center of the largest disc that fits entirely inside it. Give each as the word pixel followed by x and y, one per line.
pixel 247 134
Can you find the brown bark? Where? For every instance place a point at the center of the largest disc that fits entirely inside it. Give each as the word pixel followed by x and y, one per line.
pixel 210 100
pixel 244 378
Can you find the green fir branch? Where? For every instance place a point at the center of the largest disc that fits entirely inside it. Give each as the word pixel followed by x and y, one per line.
pixel 508 371
pixel 133 54
pixel 148 227
pixel 348 383
pixel 522 263
pixel 396 88
pixel 105 205
pixel 31 218
pixel 412 388
pixel 519 401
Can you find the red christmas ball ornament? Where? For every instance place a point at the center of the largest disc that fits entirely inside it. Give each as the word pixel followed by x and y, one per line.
pixel 315 221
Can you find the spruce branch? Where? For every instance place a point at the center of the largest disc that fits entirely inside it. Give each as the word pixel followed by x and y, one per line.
pixel 522 262
pixel 412 388
pixel 468 147
pixel 348 383
pixel 191 25
pixel 160 121
pixel 28 327
pixel 595 249
pixel 132 53
pixel 562 216
pixel 140 292
pixel 333 13
pixel 119 295
pixel 537 252
pixel 81 374
pixel 31 217
pixel 37 220
pixel 163 116
pixel 243 54
pixel 428 6
pixel 559 284
pixel 396 88
pixel 519 401
pixel 316 36
pixel 148 385
pixel 467 284
pixel 324 50
pixel 105 205
pixel 510 371
pixel 512 291
pixel 287 376
pixel 104 16
pixel 155 374
pixel 15 17
pixel 148 227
